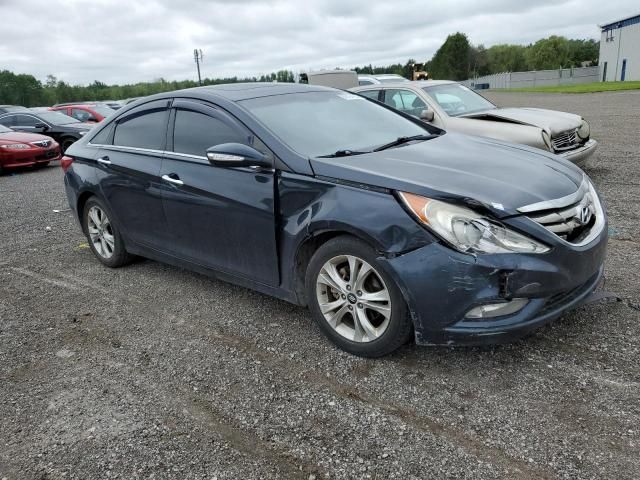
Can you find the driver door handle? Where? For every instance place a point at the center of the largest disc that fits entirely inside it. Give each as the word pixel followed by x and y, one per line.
pixel 172 178
pixel 104 161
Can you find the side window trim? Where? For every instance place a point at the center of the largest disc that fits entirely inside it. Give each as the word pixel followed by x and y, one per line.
pixel 206 106
pixel 36 119
pixel 204 109
pixel 147 108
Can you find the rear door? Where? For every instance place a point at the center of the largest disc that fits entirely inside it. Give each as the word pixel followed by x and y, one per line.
pixel 221 218
pixel 129 164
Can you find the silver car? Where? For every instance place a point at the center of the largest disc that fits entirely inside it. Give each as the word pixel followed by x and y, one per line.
pixel 381 78
pixel 452 106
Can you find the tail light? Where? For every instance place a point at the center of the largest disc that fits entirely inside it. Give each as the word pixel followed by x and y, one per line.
pixel 65 163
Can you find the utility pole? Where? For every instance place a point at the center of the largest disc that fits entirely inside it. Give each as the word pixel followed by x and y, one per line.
pixel 197 56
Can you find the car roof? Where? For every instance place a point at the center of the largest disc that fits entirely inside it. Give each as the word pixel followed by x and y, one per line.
pixel 15 108
pixel 21 112
pixel 241 91
pixel 416 84
pixel 76 105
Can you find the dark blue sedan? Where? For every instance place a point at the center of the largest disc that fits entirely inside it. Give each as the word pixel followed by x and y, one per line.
pixel 386 227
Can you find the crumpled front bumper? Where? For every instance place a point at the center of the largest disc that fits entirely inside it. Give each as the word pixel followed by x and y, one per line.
pixel 580 155
pixel 441 285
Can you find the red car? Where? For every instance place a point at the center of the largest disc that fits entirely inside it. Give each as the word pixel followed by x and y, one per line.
pixel 18 149
pixel 88 113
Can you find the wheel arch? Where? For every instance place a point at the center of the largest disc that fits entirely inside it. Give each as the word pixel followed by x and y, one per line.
pixel 83 198
pixel 311 243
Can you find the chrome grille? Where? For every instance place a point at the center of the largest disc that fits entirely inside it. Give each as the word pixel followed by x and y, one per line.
pixel 42 143
pixel 565 140
pixel 577 218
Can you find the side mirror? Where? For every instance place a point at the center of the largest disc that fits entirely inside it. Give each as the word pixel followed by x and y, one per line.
pixel 427 115
pixel 41 126
pixel 91 120
pixel 236 155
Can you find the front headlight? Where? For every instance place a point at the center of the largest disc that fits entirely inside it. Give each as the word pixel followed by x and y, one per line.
pixel 584 131
pixel 15 146
pixel 467 230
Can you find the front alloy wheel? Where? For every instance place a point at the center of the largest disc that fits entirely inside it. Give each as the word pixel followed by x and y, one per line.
pixel 353 298
pixel 354 301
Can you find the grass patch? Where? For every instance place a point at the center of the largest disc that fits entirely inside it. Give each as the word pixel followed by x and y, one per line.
pixel 580 88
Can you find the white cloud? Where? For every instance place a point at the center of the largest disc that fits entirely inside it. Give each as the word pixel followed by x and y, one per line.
pixel 118 41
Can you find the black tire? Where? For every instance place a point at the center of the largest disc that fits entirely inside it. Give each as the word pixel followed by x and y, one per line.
pixel 66 143
pixel 399 329
pixel 119 255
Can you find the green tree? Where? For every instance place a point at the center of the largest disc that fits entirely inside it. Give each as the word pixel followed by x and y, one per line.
pixel 583 51
pixel 452 60
pixel 548 53
pixel 506 58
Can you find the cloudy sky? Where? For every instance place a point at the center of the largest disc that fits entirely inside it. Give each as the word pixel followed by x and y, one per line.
pixel 124 41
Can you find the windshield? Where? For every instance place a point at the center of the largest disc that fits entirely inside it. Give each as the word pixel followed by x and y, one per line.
pixel 4 129
pixel 103 110
pixel 321 123
pixel 57 118
pixel 456 99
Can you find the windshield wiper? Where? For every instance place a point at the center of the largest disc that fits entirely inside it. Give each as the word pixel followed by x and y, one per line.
pixel 402 140
pixel 342 153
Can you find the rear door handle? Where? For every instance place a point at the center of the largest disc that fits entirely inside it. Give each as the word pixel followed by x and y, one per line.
pixel 172 179
pixel 104 161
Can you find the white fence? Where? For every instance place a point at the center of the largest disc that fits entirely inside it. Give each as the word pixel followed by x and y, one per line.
pixel 537 78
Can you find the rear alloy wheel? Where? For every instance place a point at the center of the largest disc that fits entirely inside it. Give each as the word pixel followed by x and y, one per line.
pixel 354 301
pixel 100 232
pixel 103 236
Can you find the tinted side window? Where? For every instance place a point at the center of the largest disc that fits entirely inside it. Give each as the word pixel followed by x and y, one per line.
pixel 8 121
pixel 195 132
pixel 147 130
pixel 26 121
pixel 103 137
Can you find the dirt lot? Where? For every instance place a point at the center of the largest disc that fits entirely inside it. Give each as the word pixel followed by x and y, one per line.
pixel 154 372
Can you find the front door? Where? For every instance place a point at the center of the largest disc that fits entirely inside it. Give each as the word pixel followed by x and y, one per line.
pixel 129 162
pixel 221 218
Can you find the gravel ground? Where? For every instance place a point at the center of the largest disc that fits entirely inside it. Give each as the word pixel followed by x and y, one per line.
pixel 154 372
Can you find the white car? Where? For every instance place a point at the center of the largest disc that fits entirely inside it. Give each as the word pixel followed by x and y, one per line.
pixel 378 79
pixel 452 106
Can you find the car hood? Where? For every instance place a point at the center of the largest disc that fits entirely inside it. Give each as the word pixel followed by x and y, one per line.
pixel 21 137
pixel 550 120
pixel 500 176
